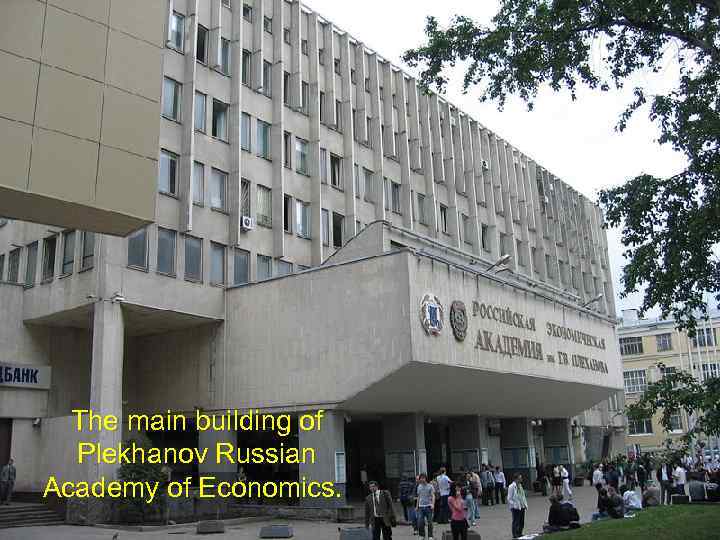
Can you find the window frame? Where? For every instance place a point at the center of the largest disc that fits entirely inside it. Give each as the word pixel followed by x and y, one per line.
pixel 176 114
pixel 635 381
pixel 49 258
pixel 173 165
pixel 214 246
pixel 130 237
pixel 225 109
pixel 172 43
pixel 219 173
pixel 173 258
pixel 188 238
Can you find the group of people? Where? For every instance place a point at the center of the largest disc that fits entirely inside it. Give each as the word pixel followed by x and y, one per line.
pixel 439 499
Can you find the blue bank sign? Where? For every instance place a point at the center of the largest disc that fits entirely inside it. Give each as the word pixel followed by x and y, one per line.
pixel 25 376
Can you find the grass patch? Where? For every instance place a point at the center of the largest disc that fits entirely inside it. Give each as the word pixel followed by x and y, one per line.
pixel 682 522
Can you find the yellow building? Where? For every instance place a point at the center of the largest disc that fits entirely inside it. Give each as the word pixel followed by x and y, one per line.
pixel 647 343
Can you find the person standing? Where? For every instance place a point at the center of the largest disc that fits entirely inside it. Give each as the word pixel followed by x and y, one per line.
pixel 518 504
pixel 556 480
pixel 565 475
pixel 488 485
pixel 379 512
pixel 7 481
pixel 407 491
pixel 680 477
pixel 665 479
pixel 499 478
pixel 458 514
pixel 425 504
pixel 470 500
pixel 476 489
pixel 597 477
pixel 443 482
pixel 641 474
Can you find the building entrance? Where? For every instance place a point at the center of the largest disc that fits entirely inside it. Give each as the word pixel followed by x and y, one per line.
pixel 437 440
pixel 365 456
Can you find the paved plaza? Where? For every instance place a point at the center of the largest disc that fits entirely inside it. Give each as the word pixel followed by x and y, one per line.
pixel 494 525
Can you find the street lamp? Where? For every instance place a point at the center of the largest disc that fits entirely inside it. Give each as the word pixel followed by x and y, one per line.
pixel 596 299
pixel 502 260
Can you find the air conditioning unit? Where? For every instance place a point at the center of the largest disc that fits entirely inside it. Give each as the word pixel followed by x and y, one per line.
pixel 247 223
pixel 485 165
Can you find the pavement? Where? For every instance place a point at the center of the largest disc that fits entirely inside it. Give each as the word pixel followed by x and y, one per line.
pixel 494 524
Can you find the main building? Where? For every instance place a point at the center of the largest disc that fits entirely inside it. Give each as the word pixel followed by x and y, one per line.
pixel 326 236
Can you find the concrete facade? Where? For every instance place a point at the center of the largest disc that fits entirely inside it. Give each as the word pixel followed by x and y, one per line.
pixel 645 344
pixel 78 118
pixel 293 280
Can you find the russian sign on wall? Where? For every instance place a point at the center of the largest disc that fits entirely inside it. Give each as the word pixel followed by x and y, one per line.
pixel 491 337
pixel 25 376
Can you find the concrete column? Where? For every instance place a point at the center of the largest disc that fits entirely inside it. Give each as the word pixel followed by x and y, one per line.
pixel 518 448
pixel 107 376
pixel 469 434
pixel 327 442
pixel 406 433
pixel 209 439
pixel 558 440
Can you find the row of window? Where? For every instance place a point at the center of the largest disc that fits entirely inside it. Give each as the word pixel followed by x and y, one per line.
pixel 64 243
pixel 167 255
pixel 704 337
pixel 644 426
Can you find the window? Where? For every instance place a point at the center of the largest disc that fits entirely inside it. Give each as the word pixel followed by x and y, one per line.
pixel 177 32
pixel 304 96
pixel 217 264
pixel 304 46
pixel 31 268
pixel 219 125
pixel 635 381
pixel 49 249
pixel 286 88
pixel 336 66
pixel 323 166
pixel 13 266
pixel 137 249
pixel 337 225
pixel 193 258
pixel 247 13
pixel 166 251
pixel 322 107
pixel 167 182
pixel 302 219
pixel 484 238
pixel 301 155
pixel 172 92
pixel 664 342
pixel 264 206
pixel 335 171
pixel 520 250
pixel 325 227
pixel 241 266
pixel 264 267
pixel 263 139
pixel 356 176
pixel 284 268
pixel 676 423
pixel 200 112
pixel 395 197
pixel 267 78
pixel 631 345
pixel 704 337
pixel 287 36
pixel 338 115
pixel 201 49
pixel 420 209
pixel 224 56
pixel 710 371
pixel 245 132
pixel 640 427
pixel 2 266
pixel 369 194
pixel 68 257
pixel 198 183
pixel 267 24
pixel 88 250
pixel 287 213
pixel 287 150
pixel 550 267
pixel 218 189
pixel 245 197
pixel 321 56
pixel 669 371
pixel 443 218
pixel 466 229
pixel 367 84
pixel 246 66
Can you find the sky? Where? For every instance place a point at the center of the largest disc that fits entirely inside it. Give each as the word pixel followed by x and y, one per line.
pixel 576 141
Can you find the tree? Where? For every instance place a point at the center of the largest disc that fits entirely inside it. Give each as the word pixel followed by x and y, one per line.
pixel 681 392
pixel 669 225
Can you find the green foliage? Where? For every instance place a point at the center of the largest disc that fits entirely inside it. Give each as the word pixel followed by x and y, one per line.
pixel 681 392
pixel 136 508
pixel 669 225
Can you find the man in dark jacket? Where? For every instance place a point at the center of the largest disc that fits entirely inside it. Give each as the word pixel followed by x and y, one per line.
pixel 407 490
pixel 665 478
pixel 379 512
